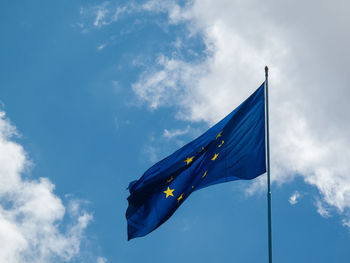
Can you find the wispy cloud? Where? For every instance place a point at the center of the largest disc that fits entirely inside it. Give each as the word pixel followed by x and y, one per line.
pixel 294 198
pixel 152 152
pixel 105 14
pixel 168 85
pixel 101 46
pixel 101 260
pixel 346 223
pixel 322 209
pixel 101 12
pixel 94 17
pixel 169 134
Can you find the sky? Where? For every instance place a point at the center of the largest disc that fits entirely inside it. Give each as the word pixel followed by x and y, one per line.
pixel 93 93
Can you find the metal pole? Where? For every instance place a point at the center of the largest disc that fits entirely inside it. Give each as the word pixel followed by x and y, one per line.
pixel 268 165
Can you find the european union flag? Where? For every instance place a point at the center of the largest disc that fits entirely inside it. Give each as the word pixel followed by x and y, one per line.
pixel 231 150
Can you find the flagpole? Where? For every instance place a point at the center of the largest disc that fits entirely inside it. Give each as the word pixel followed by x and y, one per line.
pixel 268 165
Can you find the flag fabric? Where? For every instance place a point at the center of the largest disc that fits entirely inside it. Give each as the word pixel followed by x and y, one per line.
pixel 233 149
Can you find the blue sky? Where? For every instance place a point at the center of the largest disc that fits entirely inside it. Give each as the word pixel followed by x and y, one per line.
pixel 93 93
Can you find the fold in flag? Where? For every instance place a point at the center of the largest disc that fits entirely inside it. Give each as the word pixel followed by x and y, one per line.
pixel 231 150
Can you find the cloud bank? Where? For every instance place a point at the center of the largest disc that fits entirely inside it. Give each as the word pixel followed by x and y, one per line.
pixel 31 215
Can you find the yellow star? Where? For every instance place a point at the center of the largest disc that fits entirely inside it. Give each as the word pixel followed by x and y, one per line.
pixel 215 156
pixel 170 179
pixel 219 135
pixel 222 142
pixel 169 192
pixel 189 159
pixel 180 197
pixel 205 174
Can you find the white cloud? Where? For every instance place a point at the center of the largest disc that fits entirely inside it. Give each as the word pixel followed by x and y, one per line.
pixel 31 215
pixel 166 86
pixel 321 209
pixel 176 13
pixel 101 260
pixel 100 15
pixel 169 134
pixel 106 13
pixel 101 47
pixel 346 223
pixel 294 198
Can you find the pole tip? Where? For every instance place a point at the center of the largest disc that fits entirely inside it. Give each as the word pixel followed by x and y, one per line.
pixel 266 69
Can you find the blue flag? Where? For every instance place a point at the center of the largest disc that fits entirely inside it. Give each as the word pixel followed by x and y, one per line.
pixel 233 149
